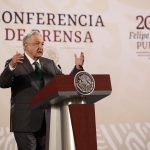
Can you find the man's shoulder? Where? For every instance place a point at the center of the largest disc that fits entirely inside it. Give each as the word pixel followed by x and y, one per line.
pixel 44 59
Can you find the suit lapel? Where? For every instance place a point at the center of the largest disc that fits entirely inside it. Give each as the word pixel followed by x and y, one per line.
pixel 28 67
pixel 30 71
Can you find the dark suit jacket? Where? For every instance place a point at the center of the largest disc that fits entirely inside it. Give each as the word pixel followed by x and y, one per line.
pixel 23 88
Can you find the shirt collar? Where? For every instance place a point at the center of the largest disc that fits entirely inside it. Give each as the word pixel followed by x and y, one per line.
pixel 30 59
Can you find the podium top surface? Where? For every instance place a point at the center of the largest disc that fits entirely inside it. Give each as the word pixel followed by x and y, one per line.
pixel 61 88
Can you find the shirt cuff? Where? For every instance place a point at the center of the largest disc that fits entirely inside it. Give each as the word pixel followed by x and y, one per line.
pixel 11 68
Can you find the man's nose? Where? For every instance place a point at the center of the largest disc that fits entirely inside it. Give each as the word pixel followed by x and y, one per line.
pixel 41 45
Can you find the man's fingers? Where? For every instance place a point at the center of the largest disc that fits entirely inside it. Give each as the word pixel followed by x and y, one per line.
pixel 17 58
pixel 19 61
pixel 17 54
pixel 75 55
pixel 20 57
pixel 81 54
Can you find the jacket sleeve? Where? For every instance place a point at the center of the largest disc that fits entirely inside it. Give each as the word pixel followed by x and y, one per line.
pixel 6 77
pixel 75 70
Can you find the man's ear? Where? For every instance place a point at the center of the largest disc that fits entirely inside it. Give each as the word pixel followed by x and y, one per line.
pixel 25 45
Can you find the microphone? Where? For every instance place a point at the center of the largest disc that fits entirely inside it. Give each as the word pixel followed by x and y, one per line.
pixel 59 67
pixel 56 69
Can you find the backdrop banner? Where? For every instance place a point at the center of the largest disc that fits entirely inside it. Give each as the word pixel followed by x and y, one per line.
pixel 115 38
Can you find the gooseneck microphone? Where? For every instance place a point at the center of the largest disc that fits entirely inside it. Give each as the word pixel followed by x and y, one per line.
pixel 59 67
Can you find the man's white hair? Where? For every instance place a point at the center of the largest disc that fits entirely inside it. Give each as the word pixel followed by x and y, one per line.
pixel 28 36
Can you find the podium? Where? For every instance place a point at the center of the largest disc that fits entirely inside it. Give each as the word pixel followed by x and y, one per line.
pixel 72 120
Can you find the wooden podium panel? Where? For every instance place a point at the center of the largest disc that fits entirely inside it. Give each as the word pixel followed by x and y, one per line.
pixel 83 124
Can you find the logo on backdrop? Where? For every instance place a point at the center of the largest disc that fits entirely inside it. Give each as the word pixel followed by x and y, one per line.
pixel 84 83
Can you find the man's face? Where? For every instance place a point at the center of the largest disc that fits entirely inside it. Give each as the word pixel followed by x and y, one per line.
pixel 34 46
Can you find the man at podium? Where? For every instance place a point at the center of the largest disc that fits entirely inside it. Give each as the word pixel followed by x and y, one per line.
pixel 26 74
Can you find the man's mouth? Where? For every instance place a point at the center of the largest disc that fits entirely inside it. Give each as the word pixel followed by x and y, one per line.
pixel 40 52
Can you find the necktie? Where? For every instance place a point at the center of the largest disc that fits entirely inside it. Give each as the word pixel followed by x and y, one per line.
pixel 38 75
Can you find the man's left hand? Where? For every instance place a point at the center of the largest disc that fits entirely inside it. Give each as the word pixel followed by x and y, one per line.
pixel 79 60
